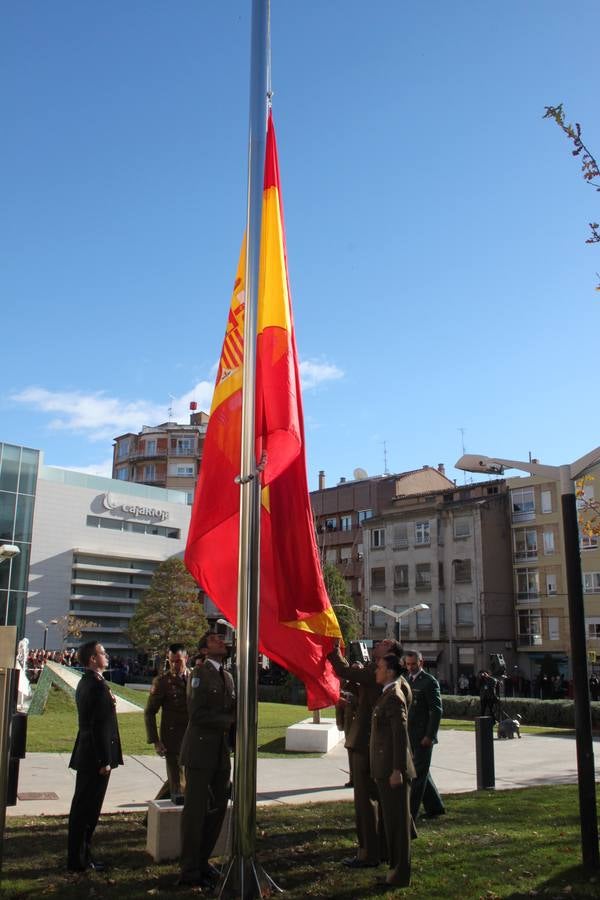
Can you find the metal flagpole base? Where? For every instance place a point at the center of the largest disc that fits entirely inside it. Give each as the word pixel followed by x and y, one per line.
pixel 245 878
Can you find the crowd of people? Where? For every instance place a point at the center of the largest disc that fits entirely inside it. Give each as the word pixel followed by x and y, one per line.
pixel 123 668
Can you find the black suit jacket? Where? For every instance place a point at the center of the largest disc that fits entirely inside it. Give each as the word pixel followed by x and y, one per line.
pixel 98 743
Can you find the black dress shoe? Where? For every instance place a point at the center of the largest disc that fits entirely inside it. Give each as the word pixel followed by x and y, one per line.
pixel 97 865
pixel 354 862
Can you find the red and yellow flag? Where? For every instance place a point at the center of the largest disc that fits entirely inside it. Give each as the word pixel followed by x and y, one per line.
pixel 297 625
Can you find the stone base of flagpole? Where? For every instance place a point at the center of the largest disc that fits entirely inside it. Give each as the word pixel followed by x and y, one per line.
pixel 245 878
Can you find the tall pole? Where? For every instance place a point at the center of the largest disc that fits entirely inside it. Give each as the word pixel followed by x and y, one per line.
pixel 583 721
pixel 243 877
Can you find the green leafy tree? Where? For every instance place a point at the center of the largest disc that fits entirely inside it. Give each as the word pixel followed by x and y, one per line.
pixel 169 611
pixel 341 601
pixel 589 166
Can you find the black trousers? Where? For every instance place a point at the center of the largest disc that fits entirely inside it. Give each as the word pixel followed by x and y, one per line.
pixel 90 788
pixel 423 787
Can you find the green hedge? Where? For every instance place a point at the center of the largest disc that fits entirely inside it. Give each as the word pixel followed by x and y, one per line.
pixel 552 713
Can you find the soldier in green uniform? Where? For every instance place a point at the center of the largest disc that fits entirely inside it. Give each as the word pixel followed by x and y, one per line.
pixel 205 754
pixel 424 716
pixel 169 693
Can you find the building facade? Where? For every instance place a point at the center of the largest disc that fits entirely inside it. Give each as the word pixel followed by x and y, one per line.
pixel 95 545
pixel 18 480
pixel 448 549
pixel 343 511
pixel 166 455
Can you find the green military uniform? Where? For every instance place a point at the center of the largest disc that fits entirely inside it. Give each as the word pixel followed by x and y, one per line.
pixel 169 693
pixel 205 754
pixel 424 717
pixel 389 750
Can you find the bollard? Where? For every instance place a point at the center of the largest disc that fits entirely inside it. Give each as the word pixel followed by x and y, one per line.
pixel 484 752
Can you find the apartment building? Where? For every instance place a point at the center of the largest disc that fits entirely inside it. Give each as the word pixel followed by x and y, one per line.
pixel 166 456
pixel 542 608
pixel 341 513
pixel 449 549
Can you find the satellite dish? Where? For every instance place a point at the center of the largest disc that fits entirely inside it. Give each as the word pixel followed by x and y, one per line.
pixel 360 474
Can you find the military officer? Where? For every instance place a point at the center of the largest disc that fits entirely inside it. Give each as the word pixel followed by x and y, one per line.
pixel 392 767
pixel 424 718
pixel 205 754
pixel 96 753
pixel 369 830
pixel 168 693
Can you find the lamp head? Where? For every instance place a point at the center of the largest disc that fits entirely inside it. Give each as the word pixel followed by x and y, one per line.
pixel 470 462
pixel 376 608
pixel 7 551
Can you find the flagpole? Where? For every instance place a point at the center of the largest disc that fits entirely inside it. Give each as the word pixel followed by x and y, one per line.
pixel 243 877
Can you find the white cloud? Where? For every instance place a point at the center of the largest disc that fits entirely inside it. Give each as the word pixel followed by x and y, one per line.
pixel 101 417
pixel 313 373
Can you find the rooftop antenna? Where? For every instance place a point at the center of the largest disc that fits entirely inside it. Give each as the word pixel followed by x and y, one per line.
pixel 462 443
pixel 170 410
pixel 385 465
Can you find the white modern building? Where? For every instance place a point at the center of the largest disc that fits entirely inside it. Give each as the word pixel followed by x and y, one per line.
pixel 94 546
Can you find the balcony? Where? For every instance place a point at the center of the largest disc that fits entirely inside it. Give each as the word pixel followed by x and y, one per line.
pixel 529 640
pixel 521 555
pixel 183 451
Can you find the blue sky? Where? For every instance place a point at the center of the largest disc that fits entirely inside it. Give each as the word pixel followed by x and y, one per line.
pixel 436 224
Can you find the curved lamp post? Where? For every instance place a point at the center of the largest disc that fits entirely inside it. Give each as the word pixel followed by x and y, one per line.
pixel 398 616
pixel 46 626
pixel 566 475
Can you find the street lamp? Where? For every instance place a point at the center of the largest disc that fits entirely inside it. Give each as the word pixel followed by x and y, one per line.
pixel 7 551
pixel 566 475
pixel 46 626
pixel 398 616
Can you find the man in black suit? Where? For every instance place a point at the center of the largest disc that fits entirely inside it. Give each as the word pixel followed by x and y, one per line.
pixel 424 716
pixel 96 753
pixel 205 755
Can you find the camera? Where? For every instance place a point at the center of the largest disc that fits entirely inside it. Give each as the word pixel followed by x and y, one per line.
pixel 357 652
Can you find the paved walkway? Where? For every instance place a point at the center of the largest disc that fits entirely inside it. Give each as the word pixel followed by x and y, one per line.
pixel 533 760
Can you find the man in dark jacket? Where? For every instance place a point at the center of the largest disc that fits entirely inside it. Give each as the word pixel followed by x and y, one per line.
pixel 205 754
pixel 96 753
pixel 424 716
pixel 168 693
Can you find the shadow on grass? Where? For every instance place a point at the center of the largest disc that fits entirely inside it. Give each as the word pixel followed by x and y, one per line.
pixel 566 883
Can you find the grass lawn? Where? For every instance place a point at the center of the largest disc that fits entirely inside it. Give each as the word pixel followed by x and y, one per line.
pixel 55 730
pixel 469 725
pixel 511 844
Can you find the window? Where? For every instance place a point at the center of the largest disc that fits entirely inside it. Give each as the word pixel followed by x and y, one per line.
pixel 122 473
pixel 331 555
pixel 151 447
pixel 440 575
pixel 588 541
pixel 530 627
pixel 184 446
pixel 548 543
pixel 466 656
pixel 378 579
pixel 546 501
pixel 592 626
pixel 377 538
pixel 523 504
pixel 331 524
pixel 345 523
pixel 553 628
pixel 364 514
pixel 140 527
pixel 464 613
pixel 150 473
pixel 528 584
pixel 189 497
pixel 184 471
pixel 525 543
pixel 122 449
pixel 462 570
pixel 591 582
pixel 462 527
pixel 345 553
pixel 424 620
pixel 442 616
pixel 423 577
pixel 400 536
pixel 401 578
pixel 551 584
pixel 422 533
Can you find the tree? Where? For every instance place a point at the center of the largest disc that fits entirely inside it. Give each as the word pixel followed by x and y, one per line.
pixel 589 167
pixel 71 626
pixel 169 611
pixel 341 601
pixel 588 510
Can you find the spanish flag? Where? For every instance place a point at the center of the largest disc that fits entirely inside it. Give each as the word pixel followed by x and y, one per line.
pixel 297 626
